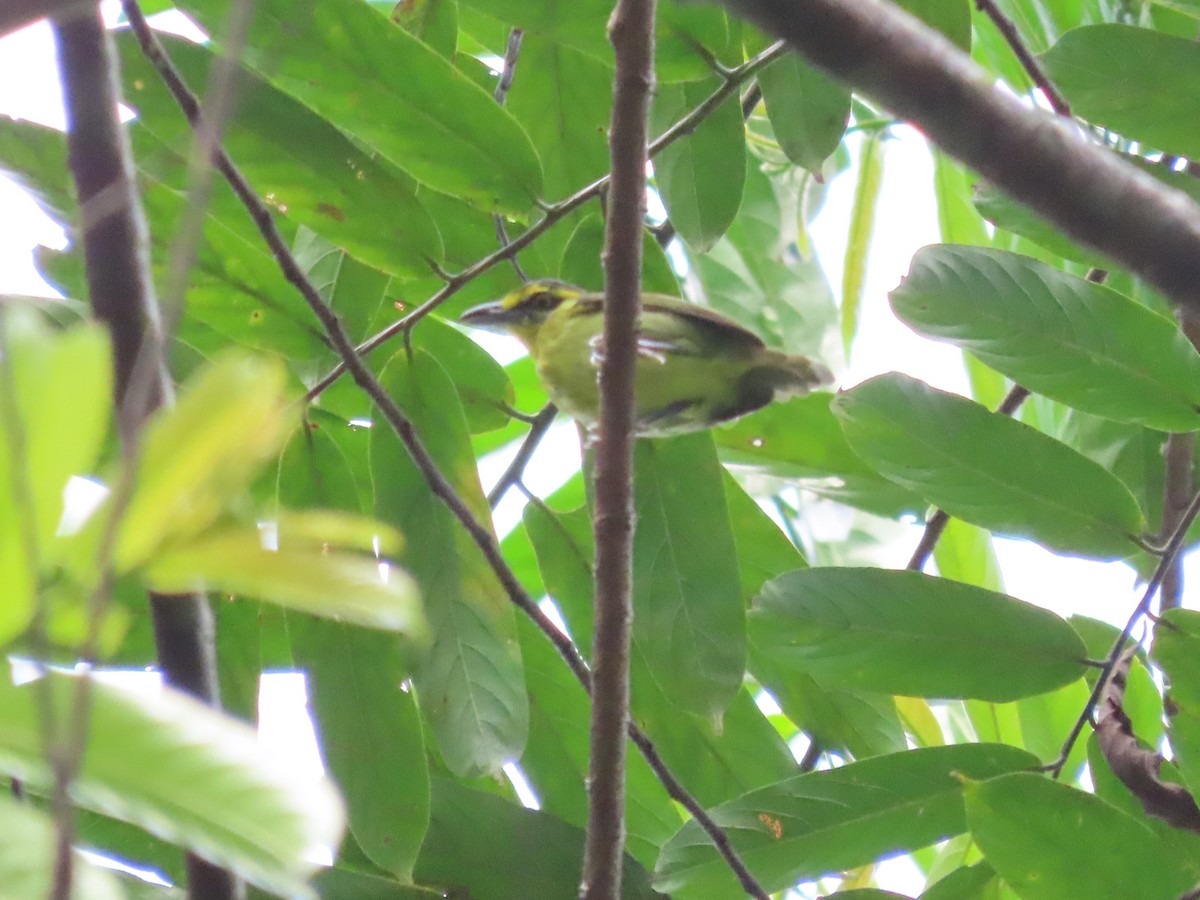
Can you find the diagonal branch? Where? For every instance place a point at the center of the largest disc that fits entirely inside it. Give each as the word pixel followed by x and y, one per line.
pixel 1036 158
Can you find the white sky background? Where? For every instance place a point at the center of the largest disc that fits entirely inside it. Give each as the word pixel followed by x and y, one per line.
pixel 906 220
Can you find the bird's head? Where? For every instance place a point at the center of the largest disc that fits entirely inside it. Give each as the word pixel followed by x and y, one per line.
pixel 522 312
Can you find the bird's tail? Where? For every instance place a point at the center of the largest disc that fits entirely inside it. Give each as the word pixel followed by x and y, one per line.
pixel 791 375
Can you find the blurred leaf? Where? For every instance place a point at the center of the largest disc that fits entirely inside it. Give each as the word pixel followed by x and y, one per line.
pixel 340 586
pixel 862 229
pixel 1177 651
pixel 1072 340
pixel 908 633
pixel 183 772
pixel 28 863
pixel 469 683
pixel 966 883
pixel 988 469
pixel 700 177
pixel 958 221
pixel 378 84
pixel 1049 840
pixel 952 18
pixel 229 421
pixel 824 822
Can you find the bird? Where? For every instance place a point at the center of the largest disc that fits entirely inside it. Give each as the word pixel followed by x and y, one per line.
pixel 695 368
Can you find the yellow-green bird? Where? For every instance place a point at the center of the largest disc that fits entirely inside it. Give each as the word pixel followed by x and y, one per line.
pixel 695 367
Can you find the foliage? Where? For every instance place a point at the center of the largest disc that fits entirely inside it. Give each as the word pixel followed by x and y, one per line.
pixel 830 716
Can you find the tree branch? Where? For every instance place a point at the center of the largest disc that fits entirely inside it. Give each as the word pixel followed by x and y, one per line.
pixel 631 31
pixel 1027 60
pixel 1043 162
pixel 118 274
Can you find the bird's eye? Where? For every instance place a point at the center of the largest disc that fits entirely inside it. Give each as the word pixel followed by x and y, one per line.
pixel 542 300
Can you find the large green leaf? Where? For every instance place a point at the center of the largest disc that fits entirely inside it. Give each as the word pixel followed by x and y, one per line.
pixel 374 81
pixel 183 772
pixel 1113 75
pixel 700 177
pixel 1051 841
pixel 484 847
pixel 28 863
pixel 824 822
pixel 1068 338
pixel 370 736
pixel 1177 651
pixel 716 760
pixel 834 716
pixel 689 623
pixel 988 469
pixel 904 632
pixel 469 683
pixel 306 168
pixel 808 110
pixel 556 756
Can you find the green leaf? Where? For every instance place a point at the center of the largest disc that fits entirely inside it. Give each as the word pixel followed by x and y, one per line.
pixel 377 83
pixel 716 760
pixel 801 439
pixel 1070 339
pixel 28 863
pixel 988 469
pixel 301 576
pixel 182 771
pixel 469 682
pixel 952 18
pixel 487 848
pixel 808 110
pixel 824 822
pixel 563 99
pixel 907 633
pixel 302 165
pixel 230 420
pixel 1050 841
pixel 556 756
pixel 965 883
pixel 700 177
pixel 958 221
pixel 581 263
pixel 1177 651
pixel 370 736
pixel 433 21
pixel 1113 75
pixel 862 228
pixel 689 623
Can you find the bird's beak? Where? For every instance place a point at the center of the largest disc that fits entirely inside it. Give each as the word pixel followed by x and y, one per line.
pixel 492 316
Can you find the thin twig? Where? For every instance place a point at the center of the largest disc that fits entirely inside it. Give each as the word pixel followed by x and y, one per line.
pixel 554 213
pixel 1174 544
pixel 1028 61
pixel 516 469
pixel 115 243
pixel 436 482
pixel 936 524
pixel 512 52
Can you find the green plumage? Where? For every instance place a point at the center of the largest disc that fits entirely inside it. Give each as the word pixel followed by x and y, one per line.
pixel 695 368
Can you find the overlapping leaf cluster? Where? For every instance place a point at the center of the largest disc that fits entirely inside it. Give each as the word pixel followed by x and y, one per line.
pixel 929 702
